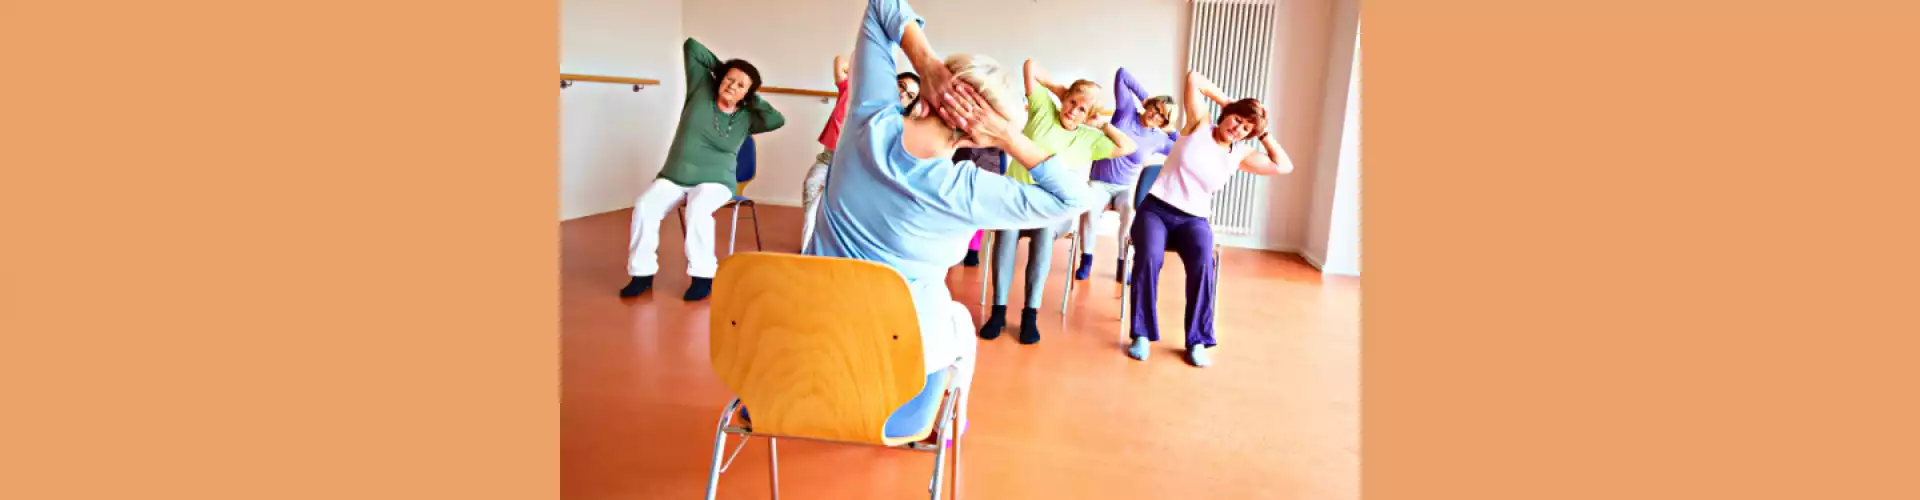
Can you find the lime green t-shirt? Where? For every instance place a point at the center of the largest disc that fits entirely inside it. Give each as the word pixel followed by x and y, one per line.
pixel 1075 149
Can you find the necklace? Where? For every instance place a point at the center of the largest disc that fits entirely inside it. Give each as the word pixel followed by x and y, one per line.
pixel 718 117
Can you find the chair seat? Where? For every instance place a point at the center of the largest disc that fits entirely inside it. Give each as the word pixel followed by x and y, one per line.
pixel 914 420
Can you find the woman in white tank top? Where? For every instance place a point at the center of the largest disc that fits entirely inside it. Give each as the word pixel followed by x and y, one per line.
pixel 1174 215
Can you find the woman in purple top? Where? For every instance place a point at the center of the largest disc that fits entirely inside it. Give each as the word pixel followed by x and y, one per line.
pixel 1174 217
pixel 1148 122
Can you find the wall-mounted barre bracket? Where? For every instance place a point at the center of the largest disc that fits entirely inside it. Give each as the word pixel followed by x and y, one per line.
pixel 637 87
pixel 566 83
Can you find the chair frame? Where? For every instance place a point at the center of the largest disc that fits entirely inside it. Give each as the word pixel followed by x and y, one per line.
pixel 945 442
pixel 938 437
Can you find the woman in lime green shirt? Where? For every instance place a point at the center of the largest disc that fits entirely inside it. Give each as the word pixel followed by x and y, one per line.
pixel 1066 131
pixel 723 107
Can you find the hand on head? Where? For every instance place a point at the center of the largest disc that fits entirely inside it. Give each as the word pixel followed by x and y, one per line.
pixel 972 115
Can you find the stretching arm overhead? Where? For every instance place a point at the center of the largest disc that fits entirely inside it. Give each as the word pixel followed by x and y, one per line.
pixel 882 28
pixel 1038 78
pixel 700 63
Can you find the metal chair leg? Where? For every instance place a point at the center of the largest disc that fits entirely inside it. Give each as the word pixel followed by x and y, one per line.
pixel 755 209
pixel 773 465
pixel 947 416
pixel 1066 287
pixel 733 230
pixel 986 275
pixel 719 448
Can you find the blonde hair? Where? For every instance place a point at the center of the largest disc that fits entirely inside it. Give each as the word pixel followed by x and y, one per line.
pixel 1083 87
pixel 987 76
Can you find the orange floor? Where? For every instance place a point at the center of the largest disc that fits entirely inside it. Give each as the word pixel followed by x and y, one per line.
pixel 1277 416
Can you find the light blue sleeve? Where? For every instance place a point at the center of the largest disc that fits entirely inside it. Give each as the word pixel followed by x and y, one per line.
pixel 991 201
pixel 873 71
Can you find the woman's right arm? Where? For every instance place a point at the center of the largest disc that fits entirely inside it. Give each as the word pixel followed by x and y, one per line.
pixel 700 64
pixel 1199 87
pixel 840 69
pixel 1127 95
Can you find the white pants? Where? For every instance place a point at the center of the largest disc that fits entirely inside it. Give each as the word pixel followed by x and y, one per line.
pixel 947 339
pixel 643 244
pixel 1118 198
pixel 810 191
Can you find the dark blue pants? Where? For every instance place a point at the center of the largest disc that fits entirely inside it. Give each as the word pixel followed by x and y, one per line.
pixel 1157 228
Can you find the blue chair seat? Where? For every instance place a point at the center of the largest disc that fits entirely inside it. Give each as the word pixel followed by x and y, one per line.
pixel 914 417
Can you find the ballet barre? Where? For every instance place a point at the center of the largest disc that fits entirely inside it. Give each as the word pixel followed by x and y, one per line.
pixel 824 95
pixel 567 79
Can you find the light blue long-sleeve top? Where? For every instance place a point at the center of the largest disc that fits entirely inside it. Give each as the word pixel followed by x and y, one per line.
pixel 917 214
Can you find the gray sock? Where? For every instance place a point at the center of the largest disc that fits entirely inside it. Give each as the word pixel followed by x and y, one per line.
pixel 1198 356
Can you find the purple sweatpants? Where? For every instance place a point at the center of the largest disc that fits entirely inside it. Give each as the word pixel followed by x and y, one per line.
pixel 1157 228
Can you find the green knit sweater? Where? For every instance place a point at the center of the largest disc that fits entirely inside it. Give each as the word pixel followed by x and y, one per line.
pixel 706 145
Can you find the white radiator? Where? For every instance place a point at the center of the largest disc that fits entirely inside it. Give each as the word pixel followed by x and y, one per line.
pixel 1232 42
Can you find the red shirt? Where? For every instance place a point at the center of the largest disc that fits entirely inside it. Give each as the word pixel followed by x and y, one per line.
pixel 831 135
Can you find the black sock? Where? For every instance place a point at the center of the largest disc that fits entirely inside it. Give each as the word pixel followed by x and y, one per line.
pixel 638 285
pixel 699 289
pixel 1086 267
pixel 996 321
pixel 973 258
pixel 1029 327
pixel 1120 270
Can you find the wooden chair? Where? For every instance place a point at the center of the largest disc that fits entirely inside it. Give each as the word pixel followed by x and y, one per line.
pixel 831 366
pixel 746 168
pixel 1147 176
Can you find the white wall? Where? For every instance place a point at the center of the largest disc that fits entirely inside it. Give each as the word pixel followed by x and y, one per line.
pixel 1343 238
pixel 1324 170
pixel 612 140
pixel 793 43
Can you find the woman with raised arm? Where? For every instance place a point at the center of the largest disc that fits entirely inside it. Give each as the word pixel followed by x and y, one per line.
pixel 723 107
pixel 1065 131
pixel 1146 120
pixel 898 198
pixel 1174 216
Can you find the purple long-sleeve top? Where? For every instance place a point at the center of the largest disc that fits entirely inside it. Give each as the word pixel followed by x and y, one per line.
pixel 1125 170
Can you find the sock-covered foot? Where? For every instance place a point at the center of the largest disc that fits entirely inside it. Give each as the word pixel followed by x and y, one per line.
pixel 973 258
pixel 638 285
pixel 996 321
pixel 1198 356
pixel 1120 270
pixel 700 288
pixel 1029 326
pixel 1086 267
pixel 1139 349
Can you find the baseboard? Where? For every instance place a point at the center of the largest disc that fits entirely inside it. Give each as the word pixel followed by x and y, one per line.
pixel 1319 264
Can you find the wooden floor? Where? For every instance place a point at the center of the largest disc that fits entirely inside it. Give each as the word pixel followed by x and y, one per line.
pixel 1277 416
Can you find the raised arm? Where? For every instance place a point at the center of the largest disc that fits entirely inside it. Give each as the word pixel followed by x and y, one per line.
pixel 840 69
pixel 883 25
pixel 1127 95
pixel 1037 78
pixel 994 202
pixel 1122 145
pixel 765 118
pixel 700 64
pixel 1274 162
pixel 1199 87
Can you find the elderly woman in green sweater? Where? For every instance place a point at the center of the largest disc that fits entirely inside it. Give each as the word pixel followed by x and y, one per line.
pixel 723 107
